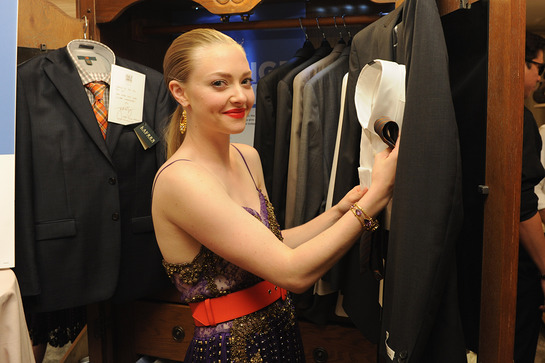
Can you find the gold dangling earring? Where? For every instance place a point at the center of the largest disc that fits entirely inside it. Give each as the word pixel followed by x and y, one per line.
pixel 183 122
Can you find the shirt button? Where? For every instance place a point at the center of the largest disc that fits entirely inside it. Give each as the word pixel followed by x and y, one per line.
pixel 115 216
pixel 112 181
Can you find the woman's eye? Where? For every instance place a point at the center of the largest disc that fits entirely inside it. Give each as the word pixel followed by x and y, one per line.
pixel 218 83
pixel 248 81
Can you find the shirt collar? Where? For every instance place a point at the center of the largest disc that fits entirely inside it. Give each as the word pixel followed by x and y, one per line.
pixel 100 50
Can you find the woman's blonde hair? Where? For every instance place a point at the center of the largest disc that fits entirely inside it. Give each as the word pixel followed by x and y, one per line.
pixel 178 64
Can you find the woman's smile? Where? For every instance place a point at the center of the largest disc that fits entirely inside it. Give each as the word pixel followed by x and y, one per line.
pixel 236 112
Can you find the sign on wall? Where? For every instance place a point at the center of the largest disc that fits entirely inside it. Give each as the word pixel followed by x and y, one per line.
pixel 265 50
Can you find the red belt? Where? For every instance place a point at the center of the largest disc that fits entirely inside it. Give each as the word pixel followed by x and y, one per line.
pixel 236 304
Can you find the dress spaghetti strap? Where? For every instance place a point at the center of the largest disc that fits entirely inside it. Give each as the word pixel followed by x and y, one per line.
pixel 247 167
pixel 174 161
pixel 160 171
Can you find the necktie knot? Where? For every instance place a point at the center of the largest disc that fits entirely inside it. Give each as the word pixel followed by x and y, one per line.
pixel 97 88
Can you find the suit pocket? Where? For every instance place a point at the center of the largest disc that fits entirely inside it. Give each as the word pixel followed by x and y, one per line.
pixel 142 224
pixel 56 229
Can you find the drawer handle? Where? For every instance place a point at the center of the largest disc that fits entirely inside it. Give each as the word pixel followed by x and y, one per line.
pixel 320 355
pixel 178 333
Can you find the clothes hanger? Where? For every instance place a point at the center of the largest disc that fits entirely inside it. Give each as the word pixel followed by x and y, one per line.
pixel 341 39
pixel 324 43
pixel 307 43
pixel 347 31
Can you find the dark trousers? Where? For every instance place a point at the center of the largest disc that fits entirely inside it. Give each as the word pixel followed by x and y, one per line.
pixel 528 319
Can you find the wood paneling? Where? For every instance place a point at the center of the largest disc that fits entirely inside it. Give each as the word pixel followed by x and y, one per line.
pixel 41 23
pixel 336 344
pixel 162 329
pixel 503 176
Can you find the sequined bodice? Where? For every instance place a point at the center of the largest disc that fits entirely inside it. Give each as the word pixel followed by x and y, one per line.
pixel 267 335
pixel 209 275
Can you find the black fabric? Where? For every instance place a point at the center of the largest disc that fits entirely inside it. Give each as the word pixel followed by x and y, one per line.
pixel 360 291
pixel 528 319
pixel 266 102
pixel 466 37
pixel 420 317
pixel 532 169
pixel 82 203
pixel 56 328
pixel 529 291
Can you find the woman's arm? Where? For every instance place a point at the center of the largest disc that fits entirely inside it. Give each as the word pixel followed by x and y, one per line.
pixel 295 236
pixel 191 199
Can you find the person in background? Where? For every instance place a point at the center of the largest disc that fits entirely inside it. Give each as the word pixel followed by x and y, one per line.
pixel 215 226
pixel 531 265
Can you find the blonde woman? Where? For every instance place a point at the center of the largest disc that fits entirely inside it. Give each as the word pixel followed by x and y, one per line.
pixel 215 227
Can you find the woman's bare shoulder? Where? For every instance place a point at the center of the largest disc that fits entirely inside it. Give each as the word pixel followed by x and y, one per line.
pixel 182 176
pixel 251 156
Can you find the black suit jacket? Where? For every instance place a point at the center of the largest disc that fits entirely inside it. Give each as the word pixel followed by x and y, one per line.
pixel 83 213
pixel 466 35
pixel 266 102
pixel 420 317
pixel 421 320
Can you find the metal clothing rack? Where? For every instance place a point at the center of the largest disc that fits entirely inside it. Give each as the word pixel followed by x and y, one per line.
pixel 266 24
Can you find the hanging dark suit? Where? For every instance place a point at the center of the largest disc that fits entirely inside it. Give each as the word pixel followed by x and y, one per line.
pixel 421 320
pixel 83 217
pixel 283 131
pixel 466 36
pixel 266 102
pixel 321 103
pixel 360 291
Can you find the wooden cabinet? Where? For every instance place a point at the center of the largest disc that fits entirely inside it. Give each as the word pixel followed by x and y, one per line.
pixel 336 343
pixel 162 329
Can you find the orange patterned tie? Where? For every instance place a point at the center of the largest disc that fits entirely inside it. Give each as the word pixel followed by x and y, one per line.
pixel 98 106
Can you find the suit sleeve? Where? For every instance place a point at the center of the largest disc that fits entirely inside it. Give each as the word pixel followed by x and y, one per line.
pixel 25 253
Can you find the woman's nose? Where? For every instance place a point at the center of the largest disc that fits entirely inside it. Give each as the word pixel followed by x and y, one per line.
pixel 239 95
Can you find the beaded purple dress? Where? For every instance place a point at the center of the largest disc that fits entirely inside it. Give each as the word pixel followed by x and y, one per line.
pixel 268 335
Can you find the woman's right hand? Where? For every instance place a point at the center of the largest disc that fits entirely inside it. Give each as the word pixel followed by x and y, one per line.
pixel 384 170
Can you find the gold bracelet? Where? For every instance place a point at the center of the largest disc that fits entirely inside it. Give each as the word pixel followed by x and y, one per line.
pixel 368 223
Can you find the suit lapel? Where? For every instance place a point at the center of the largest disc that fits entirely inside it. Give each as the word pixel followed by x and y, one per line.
pixel 66 80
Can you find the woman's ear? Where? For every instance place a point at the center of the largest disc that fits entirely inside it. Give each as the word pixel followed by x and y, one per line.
pixel 178 92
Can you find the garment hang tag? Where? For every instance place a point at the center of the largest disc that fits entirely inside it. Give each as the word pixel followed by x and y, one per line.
pixel 146 135
pixel 126 96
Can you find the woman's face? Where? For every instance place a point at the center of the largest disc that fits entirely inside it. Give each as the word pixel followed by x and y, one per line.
pixel 218 94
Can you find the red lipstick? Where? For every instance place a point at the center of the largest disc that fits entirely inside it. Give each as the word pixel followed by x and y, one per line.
pixel 236 112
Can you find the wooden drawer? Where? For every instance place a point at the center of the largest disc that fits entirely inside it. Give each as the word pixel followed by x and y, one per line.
pixel 162 330
pixel 334 343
